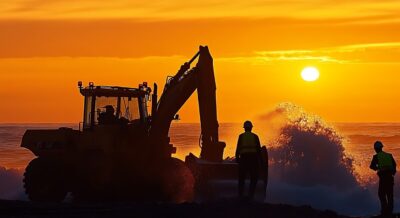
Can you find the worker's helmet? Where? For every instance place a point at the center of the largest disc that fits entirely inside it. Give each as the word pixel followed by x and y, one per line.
pixel 378 145
pixel 247 125
pixel 109 108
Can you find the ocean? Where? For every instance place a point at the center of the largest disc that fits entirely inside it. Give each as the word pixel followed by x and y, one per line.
pixel 357 139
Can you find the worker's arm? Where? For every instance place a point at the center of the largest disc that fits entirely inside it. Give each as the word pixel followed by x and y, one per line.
pixel 394 166
pixel 258 143
pixel 374 163
pixel 238 146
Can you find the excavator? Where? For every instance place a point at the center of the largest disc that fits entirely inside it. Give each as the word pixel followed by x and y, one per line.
pixel 123 151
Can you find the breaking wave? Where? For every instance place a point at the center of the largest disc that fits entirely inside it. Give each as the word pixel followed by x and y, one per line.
pixel 309 165
pixel 310 152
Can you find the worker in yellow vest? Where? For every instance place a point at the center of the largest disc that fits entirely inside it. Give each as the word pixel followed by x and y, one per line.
pixel 248 155
pixel 385 164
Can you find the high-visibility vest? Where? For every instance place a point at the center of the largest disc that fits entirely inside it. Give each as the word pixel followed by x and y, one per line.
pixel 384 161
pixel 248 143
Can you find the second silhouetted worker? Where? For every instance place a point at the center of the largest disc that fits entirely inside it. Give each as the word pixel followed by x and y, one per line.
pixel 247 155
pixel 385 164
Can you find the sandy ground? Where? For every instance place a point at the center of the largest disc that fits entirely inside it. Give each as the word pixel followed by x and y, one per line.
pixel 220 210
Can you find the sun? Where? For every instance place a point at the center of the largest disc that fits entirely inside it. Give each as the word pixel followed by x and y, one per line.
pixel 310 74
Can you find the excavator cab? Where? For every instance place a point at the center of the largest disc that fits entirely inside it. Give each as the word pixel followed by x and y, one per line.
pixel 111 105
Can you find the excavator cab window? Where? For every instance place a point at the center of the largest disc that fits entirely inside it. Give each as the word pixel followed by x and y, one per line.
pixel 87 117
pixel 106 110
pixel 129 108
pixel 113 110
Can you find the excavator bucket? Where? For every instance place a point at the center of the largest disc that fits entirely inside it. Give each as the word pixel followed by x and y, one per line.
pixel 219 180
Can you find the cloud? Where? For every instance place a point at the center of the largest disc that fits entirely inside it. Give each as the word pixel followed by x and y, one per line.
pixel 358 53
pixel 177 9
pixel 361 47
pixel 387 52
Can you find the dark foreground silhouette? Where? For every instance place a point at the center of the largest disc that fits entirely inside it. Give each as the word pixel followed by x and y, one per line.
pixel 225 209
pixel 119 138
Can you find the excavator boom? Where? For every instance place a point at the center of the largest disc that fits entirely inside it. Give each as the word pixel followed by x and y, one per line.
pixel 177 91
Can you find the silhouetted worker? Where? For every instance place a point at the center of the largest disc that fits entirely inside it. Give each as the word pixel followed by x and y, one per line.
pixel 247 155
pixel 108 116
pixel 385 164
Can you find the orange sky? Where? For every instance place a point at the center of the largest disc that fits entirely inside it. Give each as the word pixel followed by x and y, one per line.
pixel 259 48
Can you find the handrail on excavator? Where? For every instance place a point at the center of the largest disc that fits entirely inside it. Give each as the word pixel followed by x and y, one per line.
pixel 194 57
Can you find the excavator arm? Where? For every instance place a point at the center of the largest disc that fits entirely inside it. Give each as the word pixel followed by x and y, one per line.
pixel 177 91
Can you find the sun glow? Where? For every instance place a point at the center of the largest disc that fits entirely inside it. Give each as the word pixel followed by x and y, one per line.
pixel 310 74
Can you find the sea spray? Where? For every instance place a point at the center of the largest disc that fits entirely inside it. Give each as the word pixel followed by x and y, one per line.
pixel 11 187
pixel 310 152
pixel 309 165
